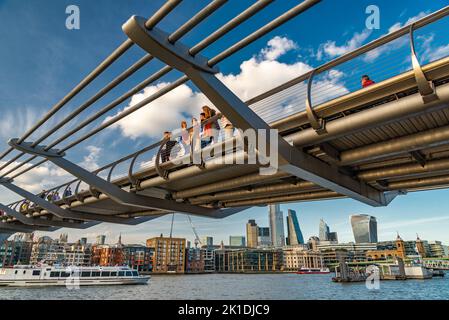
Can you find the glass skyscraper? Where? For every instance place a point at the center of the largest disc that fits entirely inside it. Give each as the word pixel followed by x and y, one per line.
pixel 364 228
pixel 324 231
pixel 294 231
pixel 264 238
pixel 276 225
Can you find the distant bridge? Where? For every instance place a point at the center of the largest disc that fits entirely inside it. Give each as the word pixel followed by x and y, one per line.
pixel 336 140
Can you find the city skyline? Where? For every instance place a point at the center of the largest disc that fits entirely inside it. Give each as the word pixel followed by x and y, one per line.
pixel 309 226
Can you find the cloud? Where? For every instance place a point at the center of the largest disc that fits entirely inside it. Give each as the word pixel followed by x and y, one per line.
pixel 164 113
pixel 332 50
pixel 90 160
pixel 277 47
pixel 257 75
pixel 43 177
pixel 410 20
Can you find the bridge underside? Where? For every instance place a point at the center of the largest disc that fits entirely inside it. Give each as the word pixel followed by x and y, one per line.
pixel 404 148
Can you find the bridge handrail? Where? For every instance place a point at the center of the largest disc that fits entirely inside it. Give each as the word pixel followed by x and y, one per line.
pixel 435 16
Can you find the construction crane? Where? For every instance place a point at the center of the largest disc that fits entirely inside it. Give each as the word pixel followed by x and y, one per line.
pixel 197 238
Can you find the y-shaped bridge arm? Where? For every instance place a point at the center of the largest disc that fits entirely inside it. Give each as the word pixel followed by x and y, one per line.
pixel 291 159
pixel 111 190
pixel 70 214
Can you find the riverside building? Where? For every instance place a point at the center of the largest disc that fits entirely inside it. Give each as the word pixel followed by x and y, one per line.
pixel 248 260
pixel 169 254
pixel 297 257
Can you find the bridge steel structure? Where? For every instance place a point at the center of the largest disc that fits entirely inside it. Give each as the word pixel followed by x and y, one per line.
pixel 369 144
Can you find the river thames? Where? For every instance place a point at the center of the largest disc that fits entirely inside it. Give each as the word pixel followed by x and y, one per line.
pixel 242 287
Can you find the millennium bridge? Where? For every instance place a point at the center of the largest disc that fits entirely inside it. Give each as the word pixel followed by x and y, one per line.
pixel 335 139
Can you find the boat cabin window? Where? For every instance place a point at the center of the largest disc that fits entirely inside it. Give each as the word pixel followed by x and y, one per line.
pixel 135 274
pixel 24 271
pixel 65 274
pixel 121 273
pixel 36 272
pixel 85 274
pixel 106 274
pixel 114 274
pixel 15 272
pixel 95 273
pixel 129 274
pixel 55 274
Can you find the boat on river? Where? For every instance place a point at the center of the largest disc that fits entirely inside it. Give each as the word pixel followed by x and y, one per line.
pixel 41 276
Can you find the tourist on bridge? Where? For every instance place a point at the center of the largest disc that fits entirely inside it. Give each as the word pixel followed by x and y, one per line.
pixel 25 205
pixel 56 196
pixel 42 194
pixel 168 147
pixel 228 127
pixel 366 81
pixel 67 192
pixel 210 113
pixel 194 135
pixel 206 131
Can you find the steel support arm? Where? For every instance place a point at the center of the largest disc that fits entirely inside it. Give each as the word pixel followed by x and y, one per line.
pixel 43 222
pixel 291 160
pixel 70 214
pixel 112 191
pixel 25 228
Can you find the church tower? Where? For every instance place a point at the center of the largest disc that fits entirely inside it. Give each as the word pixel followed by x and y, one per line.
pixel 400 248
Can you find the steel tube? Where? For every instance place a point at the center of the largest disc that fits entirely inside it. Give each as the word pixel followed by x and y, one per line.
pixel 256 192
pixel 307 4
pixel 421 140
pixel 387 113
pixel 211 165
pixel 228 184
pixel 358 52
pixel 419 183
pixel 196 19
pixel 163 11
pixel 245 15
pixel 321 195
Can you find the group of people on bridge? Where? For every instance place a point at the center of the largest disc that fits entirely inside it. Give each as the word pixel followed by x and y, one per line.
pixel 201 134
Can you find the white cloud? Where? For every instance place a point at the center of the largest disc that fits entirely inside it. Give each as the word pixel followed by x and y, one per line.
pixel 164 113
pixel 257 75
pixel 277 47
pixel 90 160
pixel 410 20
pixel 331 49
pixel 439 52
pixel 43 177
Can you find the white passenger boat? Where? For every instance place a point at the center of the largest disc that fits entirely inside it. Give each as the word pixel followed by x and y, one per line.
pixel 30 276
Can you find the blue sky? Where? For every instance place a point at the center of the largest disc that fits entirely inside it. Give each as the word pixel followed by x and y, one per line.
pixel 40 61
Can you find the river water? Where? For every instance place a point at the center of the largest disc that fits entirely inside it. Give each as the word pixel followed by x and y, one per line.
pixel 242 287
